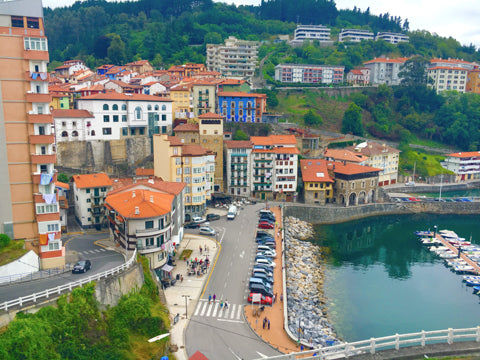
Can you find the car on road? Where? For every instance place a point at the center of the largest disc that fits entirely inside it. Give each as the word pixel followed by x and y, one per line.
pixel 198 220
pixel 211 217
pixel 82 266
pixel 265 300
pixel 207 230
pixel 191 225
pixel 265 225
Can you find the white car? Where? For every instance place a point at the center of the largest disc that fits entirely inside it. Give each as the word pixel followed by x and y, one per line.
pixel 265 262
pixel 410 183
pixel 198 220
pixel 206 230
pixel 268 253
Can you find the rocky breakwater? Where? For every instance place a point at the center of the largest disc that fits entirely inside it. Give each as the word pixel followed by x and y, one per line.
pixel 304 277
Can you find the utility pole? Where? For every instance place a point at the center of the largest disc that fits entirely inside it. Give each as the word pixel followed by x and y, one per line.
pixel 186 309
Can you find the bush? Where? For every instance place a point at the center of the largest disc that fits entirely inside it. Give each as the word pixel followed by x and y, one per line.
pixel 4 240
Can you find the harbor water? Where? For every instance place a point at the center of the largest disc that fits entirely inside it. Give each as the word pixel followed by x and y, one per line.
pixel 380 280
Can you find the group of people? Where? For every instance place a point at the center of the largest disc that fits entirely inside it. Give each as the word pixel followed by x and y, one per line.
pixel 223 304
pixel 266 323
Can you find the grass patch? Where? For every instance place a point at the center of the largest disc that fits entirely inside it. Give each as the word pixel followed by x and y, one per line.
pixel 426 164
pixel 12 252
pixel 186 254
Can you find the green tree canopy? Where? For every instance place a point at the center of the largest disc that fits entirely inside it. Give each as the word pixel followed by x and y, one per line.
pixel 311 118
pixel 352 120
pixel 240 135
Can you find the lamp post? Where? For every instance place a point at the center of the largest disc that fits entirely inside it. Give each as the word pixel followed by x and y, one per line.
pixel 186 308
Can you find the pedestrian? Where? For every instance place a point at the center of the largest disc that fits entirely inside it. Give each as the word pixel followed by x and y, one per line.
pixel 274 297
pixel 221 304
pixel 281 297
pixel 181 278
pixel 301 347
pixel 264 322
pixel 209 298
pixel 200 248
pixel 214 296
pixel 268 324
pixel 226 303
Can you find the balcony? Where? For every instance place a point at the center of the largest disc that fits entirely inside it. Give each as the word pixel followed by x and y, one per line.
pixel 38 198
pixel 36 76
pixel 144 249
pixel 40 118
pixel 48 217
pixel 36 55
pixel 42 139
pixel 156 231
pixel 99 194
pixel 37 177
pixel 39 98
pixel 44 159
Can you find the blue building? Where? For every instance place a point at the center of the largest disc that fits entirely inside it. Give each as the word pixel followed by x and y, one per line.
pixel 238 106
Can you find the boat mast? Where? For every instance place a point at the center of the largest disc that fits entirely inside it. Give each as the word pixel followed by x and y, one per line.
pixel 441 181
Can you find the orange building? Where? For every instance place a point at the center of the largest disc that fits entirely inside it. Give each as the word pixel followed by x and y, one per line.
pixel 30 208
pixel 473 82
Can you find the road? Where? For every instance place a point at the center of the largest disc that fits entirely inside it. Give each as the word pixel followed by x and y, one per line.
pixel 101 259
pixel 224 334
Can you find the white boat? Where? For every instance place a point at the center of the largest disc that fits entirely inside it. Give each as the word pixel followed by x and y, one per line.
pixel 448 255
pixel 430 241
pixel 471 277
pixel 439 249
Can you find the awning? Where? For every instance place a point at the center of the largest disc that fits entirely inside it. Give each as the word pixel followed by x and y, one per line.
pixel 167 268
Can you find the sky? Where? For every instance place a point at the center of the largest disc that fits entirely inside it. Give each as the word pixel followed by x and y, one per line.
pixel 458 19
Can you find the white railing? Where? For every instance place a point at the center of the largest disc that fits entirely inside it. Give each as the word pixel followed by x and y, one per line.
pixel 21 301
pixel 33 275
pixel 396 341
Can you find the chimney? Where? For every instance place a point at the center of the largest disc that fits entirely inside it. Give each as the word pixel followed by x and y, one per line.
pixel 151 199
pixel 344 162
pixel 133 194
pixel 137 210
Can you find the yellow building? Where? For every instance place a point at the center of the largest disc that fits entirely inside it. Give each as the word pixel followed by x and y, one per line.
pixel 29 205
pixel 182 106
pixel 318 185
pixel 188 163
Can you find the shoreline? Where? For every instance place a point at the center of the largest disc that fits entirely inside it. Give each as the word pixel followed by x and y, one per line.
pixel 306 302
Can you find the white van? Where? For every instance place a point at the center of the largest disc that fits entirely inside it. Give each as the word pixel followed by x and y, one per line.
pixel 232 212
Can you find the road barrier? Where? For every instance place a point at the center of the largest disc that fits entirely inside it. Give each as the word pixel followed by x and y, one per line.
pixel 21 301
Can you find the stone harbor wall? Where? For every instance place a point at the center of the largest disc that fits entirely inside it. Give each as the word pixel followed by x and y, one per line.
pixel 304 277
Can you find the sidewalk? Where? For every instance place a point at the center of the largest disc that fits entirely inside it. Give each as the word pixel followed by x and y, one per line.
pixel 276 336
pixel 185 294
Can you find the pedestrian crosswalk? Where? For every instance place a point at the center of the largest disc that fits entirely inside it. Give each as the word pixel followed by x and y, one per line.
pixel 213 310
pixel 89 252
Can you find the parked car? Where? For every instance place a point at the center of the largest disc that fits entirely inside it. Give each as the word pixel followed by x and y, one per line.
pixel 259 269
pixel 261 275
pixel 206 230
pixel 264 261
pixel 198 220
pixel 272 254
pixel 268 212
pixel 266 267
pixel 265 225
pixel 413 199
pixel 265 300
pixel 263 239
pixel 410 183
pixel 81 266
pixel 270 243
pixel 466 200
pixel 270 220
pixel 254 281
pixel 191 225
pixel 261 247
pixel 263 233
pixel 267 216
pixel 211 217
pixel 260 289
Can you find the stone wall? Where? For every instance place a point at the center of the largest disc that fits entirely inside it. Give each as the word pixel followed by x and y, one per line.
pixel 421 187
pixel 338 214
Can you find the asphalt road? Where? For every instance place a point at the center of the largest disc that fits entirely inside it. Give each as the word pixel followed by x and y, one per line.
pixel 101 259
pixel 224 334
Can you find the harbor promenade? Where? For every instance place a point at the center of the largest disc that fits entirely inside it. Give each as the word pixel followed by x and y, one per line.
pixel 459 253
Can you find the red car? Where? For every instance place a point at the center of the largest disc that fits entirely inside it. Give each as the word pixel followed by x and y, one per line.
pixel 265 225
pixel 413 199
pixel 266 300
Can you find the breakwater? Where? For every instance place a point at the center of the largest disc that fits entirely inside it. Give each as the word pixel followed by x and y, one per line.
pixel 332 214
pixel 306 304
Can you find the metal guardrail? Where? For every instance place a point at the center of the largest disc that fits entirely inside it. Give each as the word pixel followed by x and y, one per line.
pixel 396 341
pixel 21 301
pixel 34 275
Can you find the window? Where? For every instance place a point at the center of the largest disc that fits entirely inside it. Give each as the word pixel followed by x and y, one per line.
pixel 17 21
pixel 115 118
pixel 107 131
pixel 156 107
pixel 124 107
pixel 124 118
pixel 52 227
pixel 138 113
pixel 114 107
pixel 35 44
pixel 89 201
pixel 125 131
pixel 33 23
pixel 149 107
pixel 53 246
pixel 132 131
pixel 149 224
pixel 75 133
pixel 105 106
pixel 164 108
pixel 141 131
pixel 64 134
pixel 106 118
pixel 164 117
pixel 93 133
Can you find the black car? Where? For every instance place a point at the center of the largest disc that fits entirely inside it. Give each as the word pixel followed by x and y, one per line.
pixel 82 266
pixel 267 217
pixel 191 225
pixel 269 242
pixel 211 217
pixel 264 238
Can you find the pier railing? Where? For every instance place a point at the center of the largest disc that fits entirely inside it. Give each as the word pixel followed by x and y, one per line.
pixel 24 300
pixel 397 341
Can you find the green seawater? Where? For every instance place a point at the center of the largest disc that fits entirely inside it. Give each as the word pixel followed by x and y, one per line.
pixel 379 279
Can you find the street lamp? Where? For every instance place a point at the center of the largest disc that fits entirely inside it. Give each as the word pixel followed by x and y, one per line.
pixel 186 309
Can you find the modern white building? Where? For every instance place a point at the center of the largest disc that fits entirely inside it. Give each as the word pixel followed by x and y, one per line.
pixel 72 125
pixel 384 70
pixel 236 59
pixel 238 167
pixel 309 74
pixel 466 165
pixel 89 192
pixel 392 38
pixel 355 35
pixel 117 116
pixel 320 33
pixel 449 74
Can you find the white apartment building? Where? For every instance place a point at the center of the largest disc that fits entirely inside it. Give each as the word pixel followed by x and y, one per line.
pixel 466 165
pixel 236 59
pixel 392 38
pixel 380 156
pixel 117 116
pixel 311 32
pixel 89 192
pixel 71 124
pixel 355 35
pixel 238 167
pixel 384 70
pixel 309 74
pixel 449 74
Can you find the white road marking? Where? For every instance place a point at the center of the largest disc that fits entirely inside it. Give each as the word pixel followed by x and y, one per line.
pixel 215 310
pixel 233 311
pixel 242 254
pixel 209 310
pixel 238 357
pixel 239 311
pixel 232 321
pixel 261 355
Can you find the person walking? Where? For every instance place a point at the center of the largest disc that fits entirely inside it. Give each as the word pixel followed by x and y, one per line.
pixel 214 296
pixel 264 322
pixel 226 303
pixel 268 324
pixel 209 298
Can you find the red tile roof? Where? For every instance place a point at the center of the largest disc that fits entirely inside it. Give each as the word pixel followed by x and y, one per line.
pixel 232 82
pixel 118 96
pixel 92 180
pixel 71 113
pixel 314 170
pixel 62 185
pixel 450 61
pixel 174 141
pixel 210 115
pixel 349 168
pixel 343 154
pixel 283 139
pixel 187 127
pixel 144 172
pixel 235 94
pixel 140 204
pixel 195 150
pixel 155 184
pixel 387 60
pixel 238 144
pixel 447 68
pixel 465 154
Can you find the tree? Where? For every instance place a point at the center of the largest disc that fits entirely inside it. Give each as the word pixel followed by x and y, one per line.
pixel 116 50
pixel 63 178
pixel 311 118
pixel 240 135
pixel 352 120
pixel 414 72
